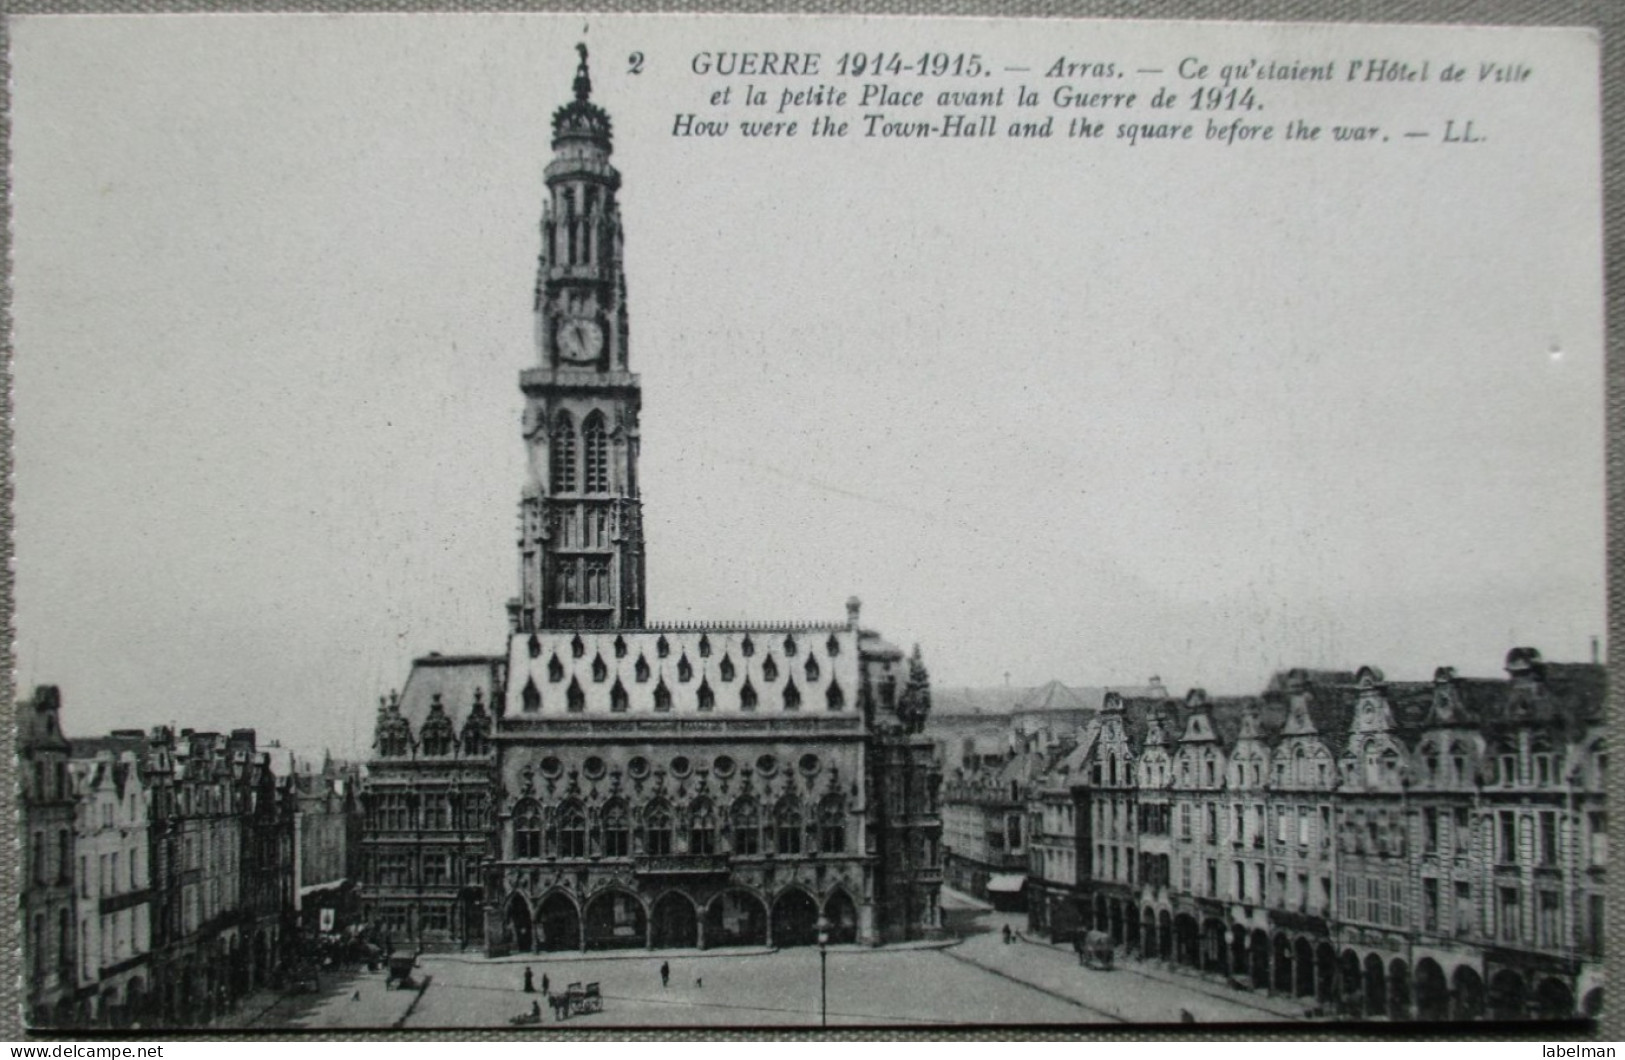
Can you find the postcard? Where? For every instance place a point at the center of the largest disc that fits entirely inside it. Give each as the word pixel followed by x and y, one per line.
pixel 553 522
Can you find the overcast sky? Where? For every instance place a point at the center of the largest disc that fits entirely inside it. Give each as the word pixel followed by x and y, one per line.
pixel 1055 410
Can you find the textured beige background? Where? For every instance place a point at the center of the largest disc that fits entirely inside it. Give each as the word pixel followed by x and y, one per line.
pixel 1608 16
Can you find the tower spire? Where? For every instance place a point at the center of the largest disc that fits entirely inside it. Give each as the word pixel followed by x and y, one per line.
pixel 583 82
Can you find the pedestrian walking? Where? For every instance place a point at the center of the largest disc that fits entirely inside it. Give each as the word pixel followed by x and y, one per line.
pixel 530 983
pixel 545 989
pixel 665 974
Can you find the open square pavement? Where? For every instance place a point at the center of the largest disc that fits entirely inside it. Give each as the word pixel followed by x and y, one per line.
pixel 979 979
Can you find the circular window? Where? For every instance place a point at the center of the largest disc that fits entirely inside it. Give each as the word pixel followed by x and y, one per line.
pixel 593 767
pixel 638 767
pixel 679 766
pixel 767 764
pixel 723 766
pixel 550 766
pixel 809 763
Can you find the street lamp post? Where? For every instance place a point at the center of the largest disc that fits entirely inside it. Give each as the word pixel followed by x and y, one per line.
pixel 823 971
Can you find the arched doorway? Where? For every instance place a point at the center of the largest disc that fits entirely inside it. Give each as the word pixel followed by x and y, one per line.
pixel 676 922
pixel 1592 1005
pixel 1325 974
pixel 558 925
pixel 1376 987
pixel 135 1001
pixel 519 923
pixel 843 918
pixel 615 921
pixel 1508 996
pixel 262 960
pixel 1258 951
pixel 1554 1000
pixel 1186 944
pixel 736 918
pixel 795 919
pixel 1303 967
pixel 1399 990
pixel 1352 983
pixel 1469 994
pixel 1165 936
pixel 1432 992
pixel 1215 954
pixel 1283 965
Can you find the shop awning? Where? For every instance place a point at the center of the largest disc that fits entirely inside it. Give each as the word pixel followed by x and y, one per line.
pixel 1006 883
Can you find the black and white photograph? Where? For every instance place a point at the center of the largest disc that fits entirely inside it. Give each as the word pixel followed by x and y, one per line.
pixel 551 523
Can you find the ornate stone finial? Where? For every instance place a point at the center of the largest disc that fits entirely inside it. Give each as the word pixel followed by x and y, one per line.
pixel 583 82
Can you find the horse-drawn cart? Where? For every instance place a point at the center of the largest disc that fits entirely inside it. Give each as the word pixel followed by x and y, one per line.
pixel 1095 951
pixel 399 976
pixel 577 1000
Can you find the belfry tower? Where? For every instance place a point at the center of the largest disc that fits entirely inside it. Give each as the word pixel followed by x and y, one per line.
pixel 580 517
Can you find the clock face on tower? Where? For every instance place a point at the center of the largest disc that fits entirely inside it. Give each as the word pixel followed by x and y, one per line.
pixel 580 340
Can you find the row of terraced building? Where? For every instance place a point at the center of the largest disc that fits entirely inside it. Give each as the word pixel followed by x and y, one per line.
pixel 1400 850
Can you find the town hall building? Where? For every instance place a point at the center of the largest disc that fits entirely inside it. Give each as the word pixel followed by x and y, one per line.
pixel 606 781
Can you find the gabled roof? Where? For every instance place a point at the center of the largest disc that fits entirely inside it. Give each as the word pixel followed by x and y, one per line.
pixel 454 678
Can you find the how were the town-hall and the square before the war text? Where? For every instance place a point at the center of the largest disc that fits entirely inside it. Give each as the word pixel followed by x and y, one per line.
pixel 1181 442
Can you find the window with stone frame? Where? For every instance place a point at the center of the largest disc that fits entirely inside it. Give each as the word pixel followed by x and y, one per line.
pixel 832 825
pixel 657 831
pixel 527 830
pixel 617 834
pixel 702 828
pixel 564 453
pixel 788 824
pixel 747 832
pixel 572 831
pixel 595 454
